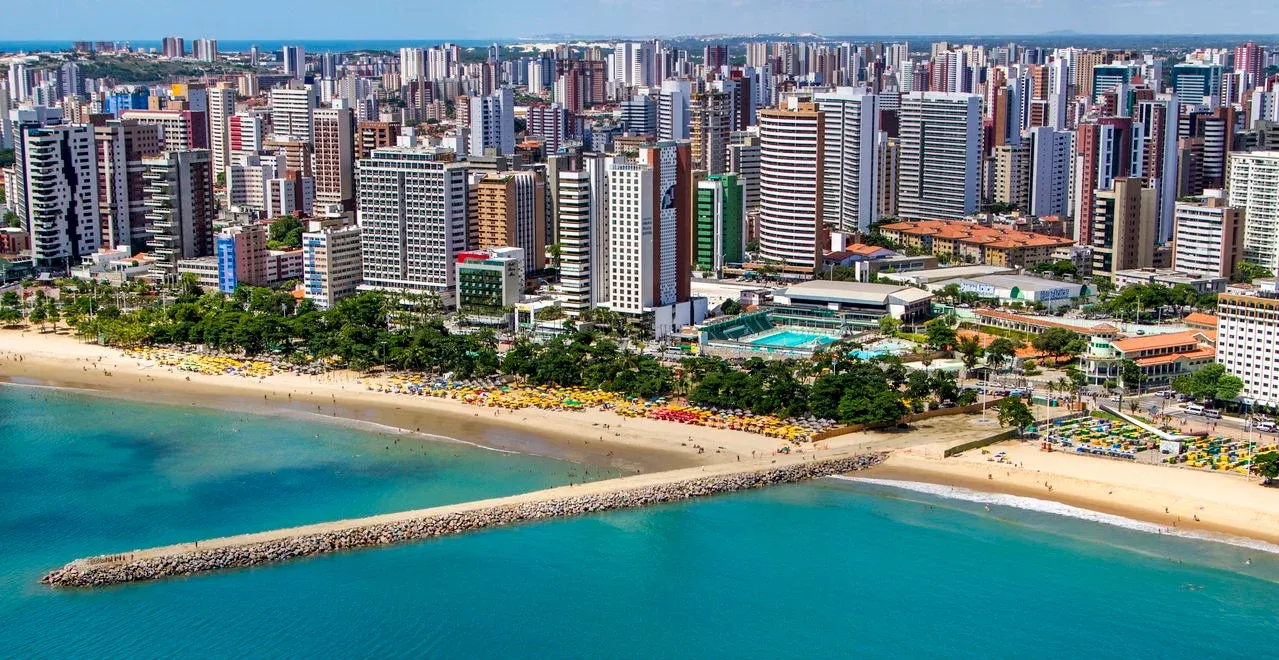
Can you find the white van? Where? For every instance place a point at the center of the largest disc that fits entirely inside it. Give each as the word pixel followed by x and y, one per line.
pixel 1194 409
pixel 1212 412
pixel 1266 427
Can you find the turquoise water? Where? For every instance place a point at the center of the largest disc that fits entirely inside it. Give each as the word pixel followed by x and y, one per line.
pixel 793 339
pixel 829 569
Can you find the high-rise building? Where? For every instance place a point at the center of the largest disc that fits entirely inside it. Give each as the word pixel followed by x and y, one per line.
pixel 719 223
pixel 492 123
pixel 887 174
pixel 1254 187
pixel 247 180
pixel 412 64
pixel 1102 152
pixel 1012 174
pixel 649 255
pixel 1193 82
pixel 1246 327
pixel 246 133
pixel 205 50
pixel 173 47
pixel 56 194
pixel 121 145
pixel 508 209
pixel 334 157
pixel 1124 227
pixel 710 121
pixel 332 263
pixel 294 61
pixel 583 234
pixel 940 164
pixel 672 110
pixel 792 233
pixel 374 135
pixel 639 115
pixel 851 124
pixel 715 56
pixel 550 123
pixel 242 256
pixel 221 109
pixel 1049 171
pixel 180 208
pixel 1250 60
pixel 412 214
pixel 181 130
pixel 19 83
pixel 743 160
pixel 1209 236
pixel 292 111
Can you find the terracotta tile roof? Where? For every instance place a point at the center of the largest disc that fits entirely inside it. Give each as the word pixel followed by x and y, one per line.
pixel 1151 342
pixel 1199 318
pixel 1168 358
pixel 1041 321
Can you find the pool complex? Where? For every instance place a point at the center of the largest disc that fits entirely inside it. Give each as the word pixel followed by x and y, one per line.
pixel 793 339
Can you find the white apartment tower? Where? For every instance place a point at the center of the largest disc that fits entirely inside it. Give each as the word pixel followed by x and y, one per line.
pixel 292 110
pixel 332 264
pixel 584 235
pixel 412 214
pixel 221 109
pixel 1246 330
pixel 57 192
pixel 791 187
pixel 941 145
pixel 630 236
pixel 294 59
pixel 493 123
pixel 1254 187
pixel 851 120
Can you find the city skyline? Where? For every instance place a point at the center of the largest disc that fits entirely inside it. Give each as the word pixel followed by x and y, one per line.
pixel 136 19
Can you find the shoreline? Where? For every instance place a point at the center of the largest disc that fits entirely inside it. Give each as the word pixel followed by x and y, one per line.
pixel 1167 497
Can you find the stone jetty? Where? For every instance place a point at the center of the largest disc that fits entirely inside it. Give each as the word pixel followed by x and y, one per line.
pixel 305 541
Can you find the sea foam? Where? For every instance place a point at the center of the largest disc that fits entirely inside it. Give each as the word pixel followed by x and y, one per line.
pixel 1059 509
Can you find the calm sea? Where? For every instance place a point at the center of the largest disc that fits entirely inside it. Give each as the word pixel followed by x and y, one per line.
pixel 835 568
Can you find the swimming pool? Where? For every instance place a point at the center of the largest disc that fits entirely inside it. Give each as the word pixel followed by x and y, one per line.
pixel 793 339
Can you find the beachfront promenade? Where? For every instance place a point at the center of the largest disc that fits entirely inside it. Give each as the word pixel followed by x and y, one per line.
pixel 308 540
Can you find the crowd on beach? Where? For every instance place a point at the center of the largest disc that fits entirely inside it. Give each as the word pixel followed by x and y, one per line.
pixel 1119 439
pixel 497 393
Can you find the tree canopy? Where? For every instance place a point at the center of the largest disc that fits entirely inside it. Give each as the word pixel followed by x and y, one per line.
pixel 285 233
pixel 1210 382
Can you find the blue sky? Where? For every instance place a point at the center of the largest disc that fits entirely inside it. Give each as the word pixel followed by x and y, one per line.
pixel 471 19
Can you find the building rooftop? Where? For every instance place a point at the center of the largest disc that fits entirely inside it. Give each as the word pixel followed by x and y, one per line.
pixel 1170 340
pixel 856 292
pixel 929 275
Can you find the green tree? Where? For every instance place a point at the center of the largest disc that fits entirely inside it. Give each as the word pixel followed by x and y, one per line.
pixel 1211 382
pixel 1014 412
pixel 731 307
pixel 285 233
pixel 940 335
pixel 1267 466
pixel 1030 368
pixel 1000 352
pixel 12 219
pixel 889 326
pixel 1247 271
pixel 1131 375
pixel 971 351
pixel 1057 342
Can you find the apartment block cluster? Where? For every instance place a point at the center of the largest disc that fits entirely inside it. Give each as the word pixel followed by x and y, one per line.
pixel 618 172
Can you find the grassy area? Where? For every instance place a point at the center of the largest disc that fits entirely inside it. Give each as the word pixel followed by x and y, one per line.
pixel 134 70
pixel 1101 414
pixel 997 332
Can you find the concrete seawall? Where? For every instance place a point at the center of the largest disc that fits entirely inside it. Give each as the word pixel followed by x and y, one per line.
pixel 296 542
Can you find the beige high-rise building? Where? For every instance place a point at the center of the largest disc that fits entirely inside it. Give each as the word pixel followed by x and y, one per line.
pixel 791 231
pixel 1012 174
pixel 710 122
pixel 334 157
pixel 887 169
pixel 1124 226
pixel 508 209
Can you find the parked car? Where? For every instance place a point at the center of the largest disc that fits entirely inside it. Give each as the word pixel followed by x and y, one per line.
pixel 1212 413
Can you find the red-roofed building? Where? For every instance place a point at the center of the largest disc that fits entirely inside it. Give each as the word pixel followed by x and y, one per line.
pixel 997 245
pixel 1162 357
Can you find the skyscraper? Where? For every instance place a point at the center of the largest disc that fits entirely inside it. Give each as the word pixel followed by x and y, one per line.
pixel 510 211
pixel 1254 187
pixel 412 214
pixel 550 123
pixel 710 121
pixel 1124 226
pixel 294 60
pixel 1209 236
pixel 334 157
pixel 221 109
pixel 172 47
pixel 941 144
pixel 291 111
pixel 121 146
pixel 179 208
pixel 719 224
pixel 792 180
pixel 57 191
pixel 851 122
pixel 672 110
pixel 583 234
pixel 492 122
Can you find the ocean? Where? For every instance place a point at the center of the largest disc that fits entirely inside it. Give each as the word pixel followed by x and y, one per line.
pixel 834 568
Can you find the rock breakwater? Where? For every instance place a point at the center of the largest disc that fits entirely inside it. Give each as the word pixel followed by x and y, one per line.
pixel 282 545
